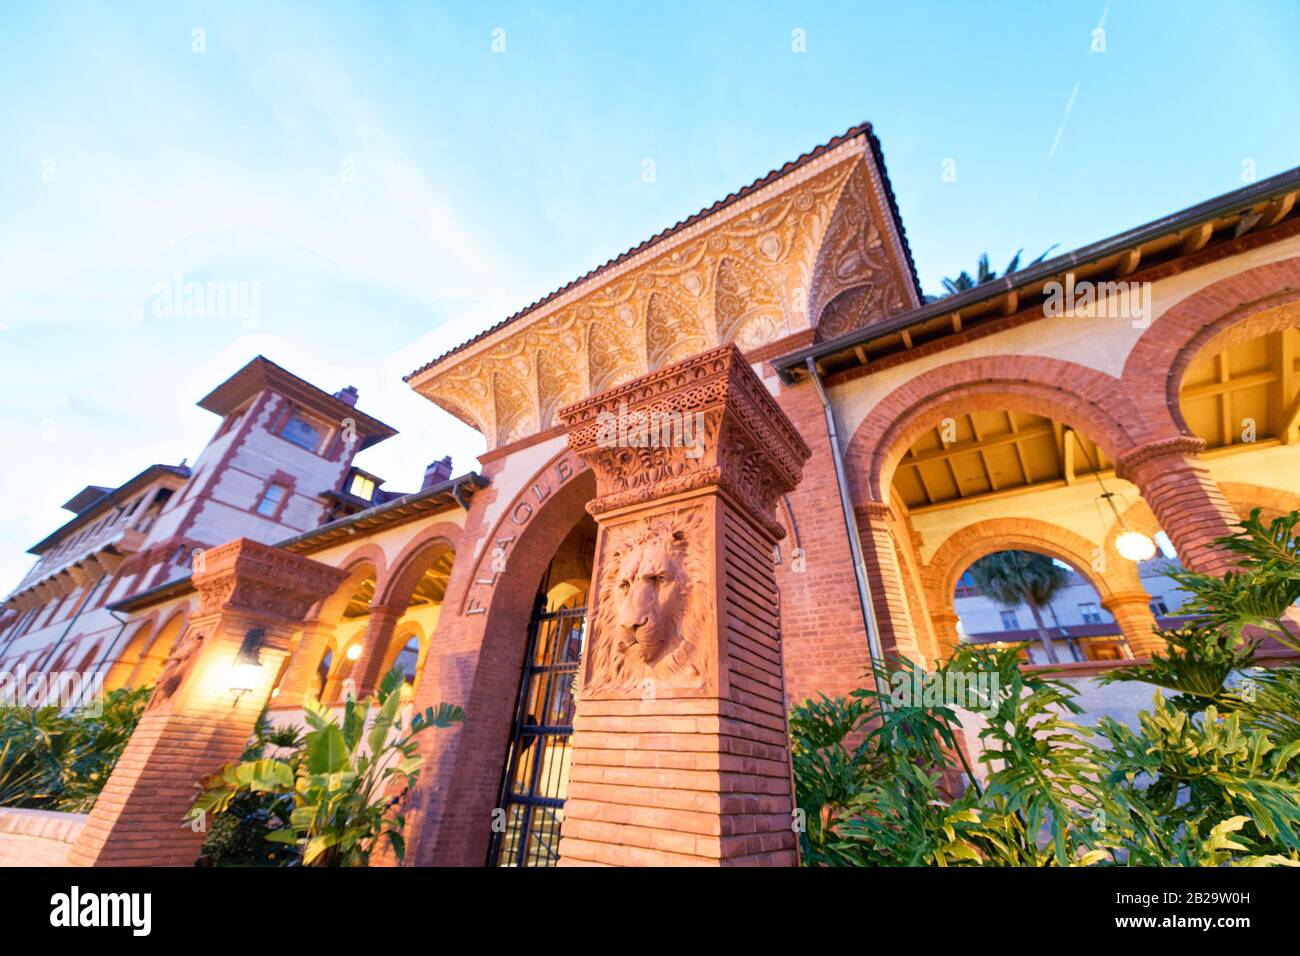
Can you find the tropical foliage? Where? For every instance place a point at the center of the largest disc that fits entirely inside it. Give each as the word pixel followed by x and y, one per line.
pixel 1012 578
pixel 343 783
pixel 983 273
pixel 1209 776
pixel 238 836
pixel 50 760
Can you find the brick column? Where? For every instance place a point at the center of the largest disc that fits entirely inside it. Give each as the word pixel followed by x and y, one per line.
pixel 299 682
pixel 195 722
pixel 1187 503
pixel 1132 612
pixel 945 629
pixel 885 578
pixel 379 634
pixel 680 753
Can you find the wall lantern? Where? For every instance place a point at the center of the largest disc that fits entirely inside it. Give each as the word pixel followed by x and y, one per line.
pixel 353 651
pixel 247 668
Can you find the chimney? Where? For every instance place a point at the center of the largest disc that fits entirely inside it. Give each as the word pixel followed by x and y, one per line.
pixel 437 473
pixel 347 396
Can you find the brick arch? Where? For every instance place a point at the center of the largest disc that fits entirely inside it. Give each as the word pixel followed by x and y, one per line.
pixel 144 655
pixel 402 635
pixel 415 558
pixel 963 548
pixel 1272 501
pixel 372 554
pixel 330 610
pixel 1241 307
pixel 480 669
pixel 1083 398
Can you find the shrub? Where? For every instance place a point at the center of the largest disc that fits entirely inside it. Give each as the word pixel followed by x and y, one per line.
pixel 342 786
pixel 1210 776
pixel 55 761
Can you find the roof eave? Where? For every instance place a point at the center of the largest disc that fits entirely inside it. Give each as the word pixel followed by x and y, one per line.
pixel 794 364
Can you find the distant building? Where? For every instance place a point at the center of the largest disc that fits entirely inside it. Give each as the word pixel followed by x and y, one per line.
pixel 278 464
pixel 1082 628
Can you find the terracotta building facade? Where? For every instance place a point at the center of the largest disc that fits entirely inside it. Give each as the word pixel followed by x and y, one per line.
pixel 723 471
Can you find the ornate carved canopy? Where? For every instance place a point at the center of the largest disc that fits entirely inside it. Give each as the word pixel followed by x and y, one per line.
pixel 814 245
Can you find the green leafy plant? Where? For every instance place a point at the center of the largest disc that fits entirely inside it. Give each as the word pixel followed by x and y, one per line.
pixel 238 836
pixel 1011 578
pixel 1263 587
pixel 1210 777
pixel 346 782
pixel 56 761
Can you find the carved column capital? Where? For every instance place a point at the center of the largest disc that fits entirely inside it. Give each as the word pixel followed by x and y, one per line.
pixel 872 511
pixel 1129 462
pixel 706 422
pixel 250 576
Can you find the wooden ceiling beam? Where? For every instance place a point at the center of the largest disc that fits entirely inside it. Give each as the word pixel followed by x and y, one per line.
pixel 1196 238
pixel 1128 263
pixel 1225 396
pixel 966 447
pixel 1276 211
pixel 1230 384
pixel 984 461
pixel 1020 451
pixel 1069 442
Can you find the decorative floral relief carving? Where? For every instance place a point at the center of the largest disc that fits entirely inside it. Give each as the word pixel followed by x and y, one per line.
pixel 654 608
pixel 514 408
pixel 746 304
pixel 558 384
pixel 673 332
pixel 610 358
pixel 853 257
pixel 261 578
pixel 749 450
pixel 800 248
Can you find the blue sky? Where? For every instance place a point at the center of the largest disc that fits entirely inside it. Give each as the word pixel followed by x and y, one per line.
pixel 395 185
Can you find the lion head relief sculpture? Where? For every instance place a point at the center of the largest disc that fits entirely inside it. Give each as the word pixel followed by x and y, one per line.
pixel 652 608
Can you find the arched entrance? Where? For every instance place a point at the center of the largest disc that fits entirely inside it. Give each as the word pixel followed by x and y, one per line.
pixel 535 781
pixel 477 658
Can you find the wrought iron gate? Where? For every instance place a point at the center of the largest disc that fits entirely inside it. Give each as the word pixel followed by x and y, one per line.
pixel 537 765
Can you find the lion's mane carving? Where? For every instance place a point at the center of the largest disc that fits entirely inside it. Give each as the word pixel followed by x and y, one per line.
pixel 652 610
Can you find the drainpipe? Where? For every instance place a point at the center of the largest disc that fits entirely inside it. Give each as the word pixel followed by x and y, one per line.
pixel 874 647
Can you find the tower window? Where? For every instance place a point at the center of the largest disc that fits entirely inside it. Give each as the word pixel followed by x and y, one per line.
pixel 302 431
pixel 271 498
pixel 363 487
